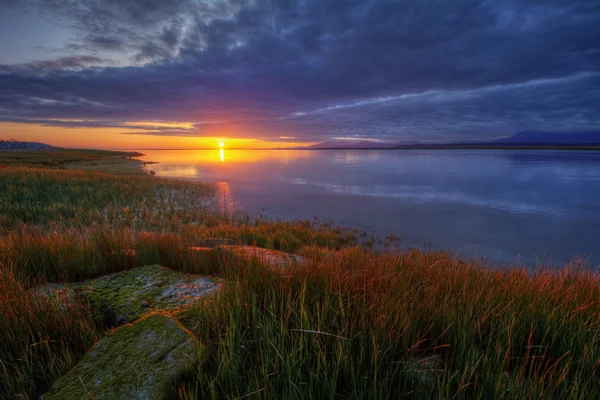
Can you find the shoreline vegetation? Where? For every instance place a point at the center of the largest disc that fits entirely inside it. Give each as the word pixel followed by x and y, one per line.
pixel 350 323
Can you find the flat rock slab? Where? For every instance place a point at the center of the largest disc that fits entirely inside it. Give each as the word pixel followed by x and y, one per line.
pixel 274 258
pixel 126 296
pixel 136 361
pixel 215 242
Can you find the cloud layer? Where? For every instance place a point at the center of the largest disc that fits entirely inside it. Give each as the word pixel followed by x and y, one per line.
pixel 314 69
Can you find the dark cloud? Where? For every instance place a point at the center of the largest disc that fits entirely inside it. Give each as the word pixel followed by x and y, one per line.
pixel 62 63
pixel 314 69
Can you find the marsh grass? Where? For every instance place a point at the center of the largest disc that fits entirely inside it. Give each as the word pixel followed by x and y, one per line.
pixel 41 337
pixel 357 325
pixel 353 323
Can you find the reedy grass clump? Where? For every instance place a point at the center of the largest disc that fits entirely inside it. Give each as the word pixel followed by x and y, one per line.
pixel 41 336
pixel 354 324
pixel 41 197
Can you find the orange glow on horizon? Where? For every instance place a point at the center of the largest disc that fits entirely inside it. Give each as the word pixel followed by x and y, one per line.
pixel 113 138
pixel 224 157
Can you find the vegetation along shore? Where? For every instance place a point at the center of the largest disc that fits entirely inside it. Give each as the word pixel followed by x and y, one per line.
pixel 103 264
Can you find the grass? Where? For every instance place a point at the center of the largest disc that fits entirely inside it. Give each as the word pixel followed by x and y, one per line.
pixel 60 157
pixel 353 323
pixel 357 325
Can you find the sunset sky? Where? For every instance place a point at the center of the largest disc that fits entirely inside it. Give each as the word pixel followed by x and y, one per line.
pixel 267 73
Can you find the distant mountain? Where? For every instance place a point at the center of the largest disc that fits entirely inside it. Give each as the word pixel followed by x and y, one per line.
pixel 14 145
pixel 521 139
pixel 538 138
pixel 351 144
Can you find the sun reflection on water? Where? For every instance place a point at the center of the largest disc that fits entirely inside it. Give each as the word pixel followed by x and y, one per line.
pixel 234 156
pixel 225 202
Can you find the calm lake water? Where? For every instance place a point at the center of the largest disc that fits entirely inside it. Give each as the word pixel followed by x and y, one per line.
pixel 504 205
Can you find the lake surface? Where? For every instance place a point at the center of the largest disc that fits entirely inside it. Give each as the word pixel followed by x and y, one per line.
pixel 504 205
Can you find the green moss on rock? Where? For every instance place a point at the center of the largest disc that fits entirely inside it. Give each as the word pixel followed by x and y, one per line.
pixel 126 296
pixel 136 361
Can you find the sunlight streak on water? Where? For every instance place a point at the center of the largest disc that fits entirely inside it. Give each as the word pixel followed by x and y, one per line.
pixel 225 202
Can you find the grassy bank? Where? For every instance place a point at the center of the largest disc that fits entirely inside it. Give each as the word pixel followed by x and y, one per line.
pixel 351 324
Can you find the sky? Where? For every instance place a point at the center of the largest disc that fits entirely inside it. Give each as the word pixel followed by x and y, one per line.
pixel 141 74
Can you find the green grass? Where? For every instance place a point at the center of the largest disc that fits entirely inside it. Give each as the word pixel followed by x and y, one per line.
pixel 58 157
pixel 352 324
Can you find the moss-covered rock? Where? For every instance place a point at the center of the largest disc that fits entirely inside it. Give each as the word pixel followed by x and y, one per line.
pixel 274 258
pixel 126 296
pixel 136 361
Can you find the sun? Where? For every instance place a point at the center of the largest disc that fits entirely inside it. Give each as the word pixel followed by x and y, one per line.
pixel 221 144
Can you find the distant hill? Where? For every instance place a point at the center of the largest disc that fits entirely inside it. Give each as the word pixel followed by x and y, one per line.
pixel 521 139
pixel 526 139
pixel 539 138
pixel 15 145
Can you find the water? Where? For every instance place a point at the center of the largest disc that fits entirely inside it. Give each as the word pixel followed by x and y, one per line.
pixel 504 205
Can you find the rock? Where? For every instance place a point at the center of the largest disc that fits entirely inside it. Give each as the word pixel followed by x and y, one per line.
pixel 274 258
pixel 133 293
pixel 215 242
pixel 426 370
pixel 53 290
pixel 137 361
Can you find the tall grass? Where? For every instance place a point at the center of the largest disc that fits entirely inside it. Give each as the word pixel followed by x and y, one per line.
pixel 352 323
pixel 358 325
pixel 41 337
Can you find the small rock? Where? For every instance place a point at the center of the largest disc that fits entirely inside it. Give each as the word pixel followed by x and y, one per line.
pixel 52 289
pixel 137 361
pixel 426 370
pixel 214 242
pixel 145 304
pixel 276 259
pixel 121 320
